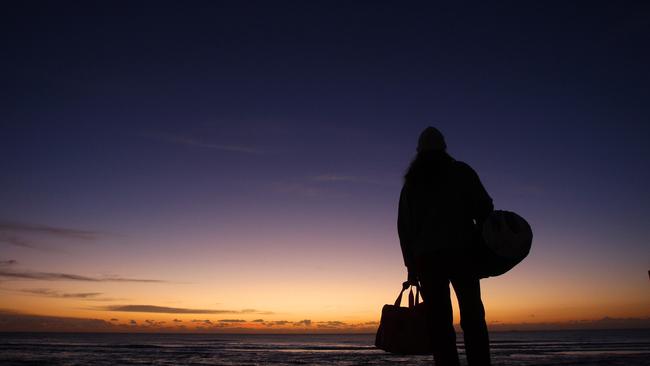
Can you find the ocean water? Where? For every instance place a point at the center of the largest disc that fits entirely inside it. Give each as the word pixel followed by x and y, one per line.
pixel 619 347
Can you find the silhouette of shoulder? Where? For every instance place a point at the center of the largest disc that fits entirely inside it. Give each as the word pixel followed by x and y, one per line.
pixel 463 167
pixel 466 173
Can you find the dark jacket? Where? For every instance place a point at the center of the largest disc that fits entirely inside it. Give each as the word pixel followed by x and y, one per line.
pixel 441 207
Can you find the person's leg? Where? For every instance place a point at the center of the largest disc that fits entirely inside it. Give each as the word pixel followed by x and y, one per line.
pixel 472 320
pixel 435 293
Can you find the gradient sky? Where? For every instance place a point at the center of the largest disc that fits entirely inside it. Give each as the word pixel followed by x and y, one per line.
pixel 246 157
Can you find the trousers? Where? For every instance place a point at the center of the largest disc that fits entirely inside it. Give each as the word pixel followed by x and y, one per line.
pixel 436 296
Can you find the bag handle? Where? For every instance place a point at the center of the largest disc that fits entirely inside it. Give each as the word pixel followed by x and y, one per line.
pixel 412 302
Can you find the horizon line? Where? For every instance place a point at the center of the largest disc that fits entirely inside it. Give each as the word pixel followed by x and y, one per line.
pixel 297 333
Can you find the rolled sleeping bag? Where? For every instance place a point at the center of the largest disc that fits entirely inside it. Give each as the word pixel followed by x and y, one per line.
pixel 507 239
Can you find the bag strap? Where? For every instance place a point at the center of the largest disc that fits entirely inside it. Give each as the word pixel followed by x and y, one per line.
pixel 412 302
pixel 405 286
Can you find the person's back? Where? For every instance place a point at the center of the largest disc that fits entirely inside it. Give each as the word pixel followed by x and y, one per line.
pixel 442 204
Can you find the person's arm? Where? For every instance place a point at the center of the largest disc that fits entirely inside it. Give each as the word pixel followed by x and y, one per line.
pixel 479 201
pixel 405 231
pixel 482 202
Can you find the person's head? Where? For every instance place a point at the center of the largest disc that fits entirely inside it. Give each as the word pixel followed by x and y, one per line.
pixel 431 139
pixel 431 156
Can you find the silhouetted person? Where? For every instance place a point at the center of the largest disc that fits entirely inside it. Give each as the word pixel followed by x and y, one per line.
pixel 442 205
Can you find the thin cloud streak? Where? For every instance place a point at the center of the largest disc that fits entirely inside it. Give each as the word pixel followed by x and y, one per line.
pixel 338 178
pixel 29 235
pixel 53 276
pixel 16 241
pixel 323 186
pixel 173 310
pixel 19 227
pixel 61 295
pixel 86 296
pixel 187 141
pixel 299 189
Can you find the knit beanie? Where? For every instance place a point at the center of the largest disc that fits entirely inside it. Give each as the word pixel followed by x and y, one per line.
pixel 431 139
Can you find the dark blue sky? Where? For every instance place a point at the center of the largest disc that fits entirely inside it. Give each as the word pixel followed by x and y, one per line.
pixel 554 93
pixel 145 117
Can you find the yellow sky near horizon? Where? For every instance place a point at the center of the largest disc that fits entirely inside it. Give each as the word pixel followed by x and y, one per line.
pixel 517 297
pixel 282 280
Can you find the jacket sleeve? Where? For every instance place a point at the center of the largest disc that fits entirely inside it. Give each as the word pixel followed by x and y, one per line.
pixel 481 202
pixel 405 223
